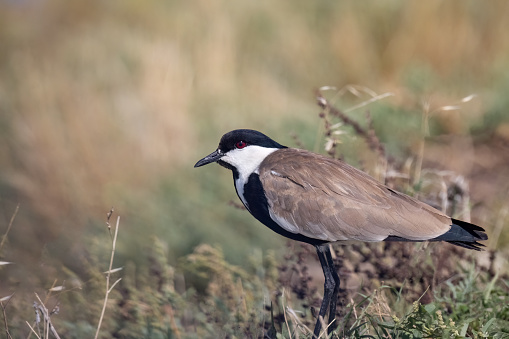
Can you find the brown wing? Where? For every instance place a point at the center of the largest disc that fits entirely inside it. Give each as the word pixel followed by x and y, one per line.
pixel 330 200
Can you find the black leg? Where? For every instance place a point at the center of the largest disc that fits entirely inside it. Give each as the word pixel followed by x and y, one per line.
pixel 330 289
pixel 334 300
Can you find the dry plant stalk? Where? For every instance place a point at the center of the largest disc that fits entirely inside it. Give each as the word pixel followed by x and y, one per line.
pixel 422 142
pixel 427 112
pixel 298 323
pixel 33 331
pixel 108 275
pixel 499 226
pixel 8 335
pixel 4 237
pixel 284 313
pixel 48 326
pixel 370 137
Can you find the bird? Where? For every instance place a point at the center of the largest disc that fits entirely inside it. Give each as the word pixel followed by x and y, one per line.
pixel 320 200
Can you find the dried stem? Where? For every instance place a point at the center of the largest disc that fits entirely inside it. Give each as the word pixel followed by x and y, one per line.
pixel 108 217
pixel 297 141
pixel 371 138
pixel 47 320
pixel 284 313
pixel 4 237
pixel 236 205
pixel 108 275
pixel 499 226
pixel 424 131
pixel 5 316
pixel 32 329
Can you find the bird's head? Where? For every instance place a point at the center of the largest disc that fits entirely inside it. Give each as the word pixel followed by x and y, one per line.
pixel 241 150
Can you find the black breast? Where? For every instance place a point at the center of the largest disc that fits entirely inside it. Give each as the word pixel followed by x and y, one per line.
pixel 259 208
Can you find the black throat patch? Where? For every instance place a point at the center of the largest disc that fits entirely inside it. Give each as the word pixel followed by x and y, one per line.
pixel 259 208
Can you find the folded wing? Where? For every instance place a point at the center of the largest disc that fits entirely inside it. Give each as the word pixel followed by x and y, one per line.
pixel 327 199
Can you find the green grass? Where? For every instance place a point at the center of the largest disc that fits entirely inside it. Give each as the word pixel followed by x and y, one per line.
pixel 472 306
pixel 204 296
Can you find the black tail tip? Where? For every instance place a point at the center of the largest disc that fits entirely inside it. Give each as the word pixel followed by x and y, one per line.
pixel 473 232
pixel 470 245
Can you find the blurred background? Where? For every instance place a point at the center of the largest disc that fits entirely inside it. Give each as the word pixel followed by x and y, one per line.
pixel 110 103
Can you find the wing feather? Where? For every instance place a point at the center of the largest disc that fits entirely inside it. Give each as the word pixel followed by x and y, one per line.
pixel 328 199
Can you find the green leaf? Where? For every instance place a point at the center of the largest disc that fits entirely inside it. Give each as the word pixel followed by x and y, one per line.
pixel 464 329
pixel 430 308
pixel 486 326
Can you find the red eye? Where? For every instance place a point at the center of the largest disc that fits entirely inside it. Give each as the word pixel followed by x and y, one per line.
pixel 240 144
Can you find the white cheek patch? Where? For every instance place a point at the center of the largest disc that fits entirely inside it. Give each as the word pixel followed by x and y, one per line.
pixel 247 161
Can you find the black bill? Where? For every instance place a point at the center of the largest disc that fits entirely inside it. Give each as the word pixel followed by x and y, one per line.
pixel 212 157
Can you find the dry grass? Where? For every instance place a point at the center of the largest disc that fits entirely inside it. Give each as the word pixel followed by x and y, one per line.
pixel 109 271
pixel 111 104
pixel 102 101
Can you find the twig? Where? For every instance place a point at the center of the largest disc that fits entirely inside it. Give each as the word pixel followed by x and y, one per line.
pixel 303 328
pixel 499 226
pixel 372 140
pixel 5 316
pixel 284 313
pixel 236 205
pixel 108 274
pixel 33 331
pixel 422 141
pixel 367 102
pixel 427 112
pixel 297 141
pixel 108 216
pixel 47 321
pixel 324 327
pixel 354 310
pixel 4 237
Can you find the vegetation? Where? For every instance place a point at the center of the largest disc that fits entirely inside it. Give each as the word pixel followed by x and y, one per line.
pixel 110 104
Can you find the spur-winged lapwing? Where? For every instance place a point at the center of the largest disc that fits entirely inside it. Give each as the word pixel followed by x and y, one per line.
pixel 318 200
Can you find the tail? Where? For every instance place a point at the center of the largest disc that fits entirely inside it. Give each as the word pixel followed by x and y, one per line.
pixel 464 234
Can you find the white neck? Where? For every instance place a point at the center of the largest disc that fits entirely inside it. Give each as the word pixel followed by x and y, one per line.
pixel 247 161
